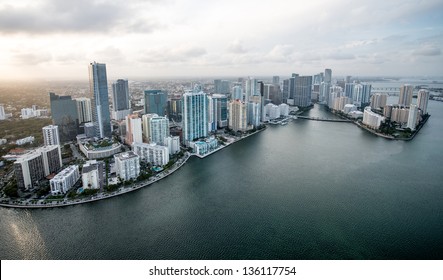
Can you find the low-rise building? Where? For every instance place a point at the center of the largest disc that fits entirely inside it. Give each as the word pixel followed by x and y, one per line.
pixel 92 174
pixel 203 147
pixel 127 165
pixel 25 140
pixel 64 180
pixel 152 153
pixel 372 119
pixel 173 144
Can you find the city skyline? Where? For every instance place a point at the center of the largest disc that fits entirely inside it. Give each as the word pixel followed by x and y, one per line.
pixel 173 38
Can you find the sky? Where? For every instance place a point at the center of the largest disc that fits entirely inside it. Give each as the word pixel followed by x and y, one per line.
pixel 56 39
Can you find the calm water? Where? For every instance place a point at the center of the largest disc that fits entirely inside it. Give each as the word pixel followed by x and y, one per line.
pixel 307 190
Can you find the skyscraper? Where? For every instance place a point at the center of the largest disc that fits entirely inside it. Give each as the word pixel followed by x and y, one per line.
pixel 405 97
pixel 238 116
pixel 328 76
pixel 120 99
pixel 98 85
pixel 412 117
pixel 422 101
pixel 159 129
pixel 302 93
pixel 133 129
pixel 50 135
pixel 276 80
pixel 84 109
pixel 65 116
pixel 155 102
pixel 195 124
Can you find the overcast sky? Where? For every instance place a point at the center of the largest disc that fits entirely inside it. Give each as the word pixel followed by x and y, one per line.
pixel 54 39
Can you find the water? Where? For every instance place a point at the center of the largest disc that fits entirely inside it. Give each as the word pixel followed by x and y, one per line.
pixel 307 190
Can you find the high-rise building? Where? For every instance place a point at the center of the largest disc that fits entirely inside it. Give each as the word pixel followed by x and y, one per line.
pixel 155 102
pixel 50 135
pixel 64 180
pixel 195 124
pixel 173 144
pixel 237 93
pixel 158 129
pixel 217 111
pixel 133 129
pixel 175 108
pixel 33 167
pixel 84 109
pixel 378 100
pixel 285 91
pixel 120 99
pixel 302 93
pixel 412 117
pixel 405 97
pixel 349 90
pixel 254 113
pixel 65 116
pixel 238 115
pixel 127 165
pixel 366 93
pixel 222 86
pixel 98 85
pixel 276 80
pixel 328 76
pixel 422 101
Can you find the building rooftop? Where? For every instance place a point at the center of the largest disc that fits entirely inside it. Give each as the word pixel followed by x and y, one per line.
pixel 126 155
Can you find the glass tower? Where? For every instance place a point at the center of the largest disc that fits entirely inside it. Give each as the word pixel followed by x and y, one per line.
pixel 98 84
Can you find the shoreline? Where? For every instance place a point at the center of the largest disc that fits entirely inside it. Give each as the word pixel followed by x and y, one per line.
pixel 122 190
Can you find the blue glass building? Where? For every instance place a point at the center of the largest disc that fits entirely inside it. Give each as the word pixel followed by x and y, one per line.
pixel 98 84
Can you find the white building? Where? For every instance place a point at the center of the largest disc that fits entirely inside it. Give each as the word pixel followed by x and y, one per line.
pixel 349 108
pixel 413 117
pixel 422 101
pixel 158 128
pixel 25 140
pixel 273 111
pixel 27 113
pixel 64 180
pixel 372 119
pixel 173 144
pixel 152 153
pixel 50 135
pixel 92 174
pixel 284 109
pixel 127 165
pixel 2 112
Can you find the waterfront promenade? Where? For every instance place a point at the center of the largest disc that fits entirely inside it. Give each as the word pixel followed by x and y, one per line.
pixel 43 203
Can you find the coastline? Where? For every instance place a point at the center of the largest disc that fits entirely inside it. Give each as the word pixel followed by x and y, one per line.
pixel 122 190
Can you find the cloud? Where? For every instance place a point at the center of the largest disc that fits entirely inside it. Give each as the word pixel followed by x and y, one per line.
pixel 54 16
pixel 427 51
pixel 178 54
pixel 31 58
pixel 236 47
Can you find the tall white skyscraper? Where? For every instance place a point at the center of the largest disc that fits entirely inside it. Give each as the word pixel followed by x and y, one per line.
pixel 405 97
pixel 195 124
pixel 50 135
pixel 84 109
pixel 98 84
pixel 413 117
pixel 422 101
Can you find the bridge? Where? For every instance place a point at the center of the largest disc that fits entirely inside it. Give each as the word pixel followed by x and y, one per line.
pixel 322 119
